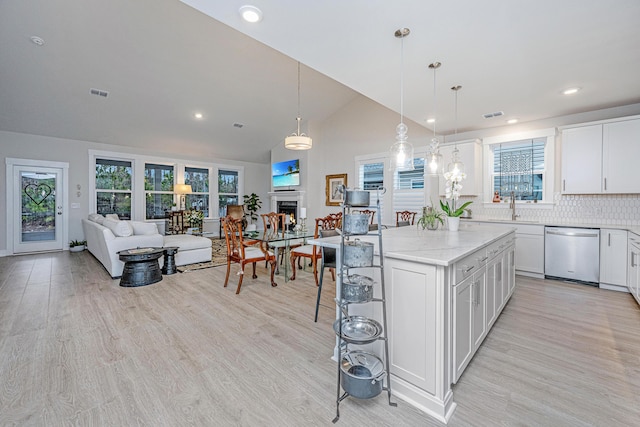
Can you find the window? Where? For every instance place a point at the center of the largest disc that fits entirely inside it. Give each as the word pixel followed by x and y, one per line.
pixel 408 189
pixel 198 178
pixel 372 176
pixel 518 168
pixel 227 190
pixel 158 187
pixel 520 163
pixel 113 187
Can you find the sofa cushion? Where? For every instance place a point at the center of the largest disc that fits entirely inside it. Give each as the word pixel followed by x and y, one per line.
pixel 141 228
pixel 118 228
pixel 96 218
pixel 186 241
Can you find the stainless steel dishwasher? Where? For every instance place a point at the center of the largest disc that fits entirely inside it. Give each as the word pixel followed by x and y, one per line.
pixel 572 253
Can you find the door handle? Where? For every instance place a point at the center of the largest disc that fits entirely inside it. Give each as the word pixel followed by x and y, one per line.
pixel 609 236
pixel 564 185
pixel 605 184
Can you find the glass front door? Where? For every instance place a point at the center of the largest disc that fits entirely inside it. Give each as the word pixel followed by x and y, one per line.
pixel 38 209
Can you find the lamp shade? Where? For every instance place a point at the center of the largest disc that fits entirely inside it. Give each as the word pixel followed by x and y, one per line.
pixel 298 142
pixel 182 189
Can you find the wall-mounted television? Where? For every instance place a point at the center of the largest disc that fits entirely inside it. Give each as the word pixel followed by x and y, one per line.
pixel 285 174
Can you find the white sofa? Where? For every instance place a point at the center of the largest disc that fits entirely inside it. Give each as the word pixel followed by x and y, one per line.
pixel 106 239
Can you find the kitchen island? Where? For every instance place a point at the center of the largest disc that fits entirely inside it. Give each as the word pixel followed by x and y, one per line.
pixel 444 292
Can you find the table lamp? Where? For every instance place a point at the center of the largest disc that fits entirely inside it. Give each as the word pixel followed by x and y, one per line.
pixel 182 190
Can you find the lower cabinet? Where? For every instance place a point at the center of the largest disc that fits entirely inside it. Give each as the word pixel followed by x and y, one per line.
pixel 484 283
pixel 530 250
pixel 633 269
pixel 613 259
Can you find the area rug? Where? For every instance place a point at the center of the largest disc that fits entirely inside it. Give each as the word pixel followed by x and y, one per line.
pixel 218 257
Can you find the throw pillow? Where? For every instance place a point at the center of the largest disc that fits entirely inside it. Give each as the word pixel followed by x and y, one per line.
pixel 118 228
pixel 144 228
pixel 113 217
pixel 96 218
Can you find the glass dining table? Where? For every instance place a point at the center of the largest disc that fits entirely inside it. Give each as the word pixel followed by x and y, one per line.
pixel 280 242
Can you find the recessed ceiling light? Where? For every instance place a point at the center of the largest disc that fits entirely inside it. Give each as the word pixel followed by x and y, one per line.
pixel 37 40
pixel 198 115
pixel 512 121
pixel 431 120
pixel 570 91
pixel 250 13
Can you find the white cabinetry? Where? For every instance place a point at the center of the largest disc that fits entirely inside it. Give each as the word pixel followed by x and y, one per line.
pixel 613 259
pixel 470 153
pixel 621 150
pixel 633 271
pixel 582 160
pixel 480 293
pixel 601 158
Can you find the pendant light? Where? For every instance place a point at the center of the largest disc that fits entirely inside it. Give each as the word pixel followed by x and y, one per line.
pixel 456 167
pixel 434 158
pixel 401 150
pixel 298 141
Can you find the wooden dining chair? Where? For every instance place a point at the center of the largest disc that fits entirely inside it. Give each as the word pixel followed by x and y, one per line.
pixel 238 252
pixel 329 222
pixel 274 227
pixel 372 214
pixel 404 218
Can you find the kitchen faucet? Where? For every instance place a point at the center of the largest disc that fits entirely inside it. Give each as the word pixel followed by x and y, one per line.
pixel 512 206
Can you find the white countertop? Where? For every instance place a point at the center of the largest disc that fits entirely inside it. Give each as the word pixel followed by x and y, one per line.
pixel 440 247
pixel 632 228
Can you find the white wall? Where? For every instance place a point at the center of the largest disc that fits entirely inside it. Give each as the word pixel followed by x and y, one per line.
pixel 17 145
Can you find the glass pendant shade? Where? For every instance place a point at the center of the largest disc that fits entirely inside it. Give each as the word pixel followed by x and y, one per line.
pixel 456 167
pixel 402 151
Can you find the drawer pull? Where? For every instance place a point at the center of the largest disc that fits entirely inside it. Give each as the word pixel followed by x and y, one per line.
pixel 483 259
pixel 466 269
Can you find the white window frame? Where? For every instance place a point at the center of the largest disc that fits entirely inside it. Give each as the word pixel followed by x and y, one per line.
pixel 138 162
pixel 549 164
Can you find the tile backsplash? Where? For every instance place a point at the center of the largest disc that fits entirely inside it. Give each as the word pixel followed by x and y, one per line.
pixel 608 209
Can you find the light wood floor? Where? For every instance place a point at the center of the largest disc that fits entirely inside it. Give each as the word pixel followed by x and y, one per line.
pixel 77 349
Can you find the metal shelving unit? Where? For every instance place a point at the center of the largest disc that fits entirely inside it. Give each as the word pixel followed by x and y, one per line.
pixel 361 374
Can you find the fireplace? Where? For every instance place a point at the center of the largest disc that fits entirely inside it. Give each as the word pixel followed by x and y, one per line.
pixel 288 202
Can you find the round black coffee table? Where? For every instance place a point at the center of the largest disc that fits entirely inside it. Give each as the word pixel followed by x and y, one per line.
pixel 141 266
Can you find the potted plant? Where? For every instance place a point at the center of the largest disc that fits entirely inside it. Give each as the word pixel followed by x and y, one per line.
pixel 77 245
pixel 430 218
pixel 252 204
pixel 452 191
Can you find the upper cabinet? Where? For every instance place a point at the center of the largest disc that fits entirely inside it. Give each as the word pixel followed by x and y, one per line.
pixel 470 153
pixel 601 158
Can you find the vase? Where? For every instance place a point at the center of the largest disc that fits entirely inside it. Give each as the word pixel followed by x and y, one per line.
pixel 432 225
pixel 454 223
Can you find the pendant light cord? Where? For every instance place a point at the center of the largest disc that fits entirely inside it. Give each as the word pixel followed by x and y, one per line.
pixel 402 80
pixel 434 101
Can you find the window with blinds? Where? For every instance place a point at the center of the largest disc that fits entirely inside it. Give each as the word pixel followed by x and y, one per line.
pixel 371 177
pixel 518 168
pixel 408 188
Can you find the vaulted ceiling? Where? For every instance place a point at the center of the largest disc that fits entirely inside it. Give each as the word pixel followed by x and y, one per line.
pixel 161 61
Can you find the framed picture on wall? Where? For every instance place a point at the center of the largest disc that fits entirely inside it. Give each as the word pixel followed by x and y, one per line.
pixel 334 183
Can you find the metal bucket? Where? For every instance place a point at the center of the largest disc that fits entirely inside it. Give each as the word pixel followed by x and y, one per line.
pixel 357 288
pixel 356 198
pixel 355 224
pixel 362 374
pixel 358 254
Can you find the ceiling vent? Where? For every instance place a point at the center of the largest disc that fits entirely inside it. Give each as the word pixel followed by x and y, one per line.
pixel 492 115
pixel 99 92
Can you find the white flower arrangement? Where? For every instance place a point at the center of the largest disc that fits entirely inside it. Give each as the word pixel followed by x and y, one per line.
pixel 452 191
pixel 194 216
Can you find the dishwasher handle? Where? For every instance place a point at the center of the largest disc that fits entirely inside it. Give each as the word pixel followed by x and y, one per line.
pixel 571 233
